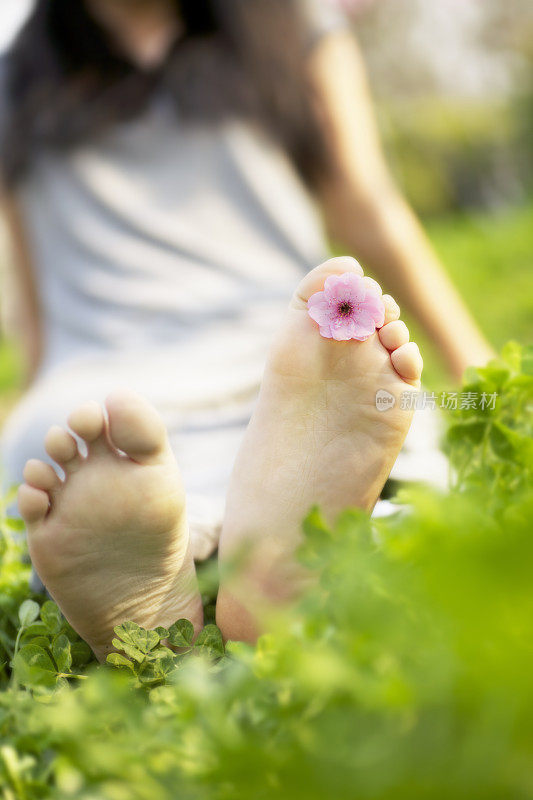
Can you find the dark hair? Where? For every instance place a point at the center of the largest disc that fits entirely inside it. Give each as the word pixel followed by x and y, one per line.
pixel 65 82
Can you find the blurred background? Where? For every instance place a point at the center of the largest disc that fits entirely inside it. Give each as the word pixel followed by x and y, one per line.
pixel 453 85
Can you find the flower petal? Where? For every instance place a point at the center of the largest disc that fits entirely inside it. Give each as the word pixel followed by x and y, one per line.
pixel 342 330
pixel 331 284
pixel 344 287
pixel 364 326
pixel 341 335
pixel 357 287
pixel 325 331
pixel 318 297
pixel 374 306
pixel 322 312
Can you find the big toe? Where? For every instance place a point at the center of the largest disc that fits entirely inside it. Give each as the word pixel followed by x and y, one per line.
pixel 136 428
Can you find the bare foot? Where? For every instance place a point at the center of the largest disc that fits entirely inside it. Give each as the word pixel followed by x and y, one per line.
pixel 316 437
pixel 111 542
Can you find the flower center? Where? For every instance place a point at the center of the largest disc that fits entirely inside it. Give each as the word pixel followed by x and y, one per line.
pixel 345 308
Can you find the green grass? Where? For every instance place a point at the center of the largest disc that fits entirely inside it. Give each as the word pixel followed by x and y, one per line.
pixel 491 261
pixel 404 672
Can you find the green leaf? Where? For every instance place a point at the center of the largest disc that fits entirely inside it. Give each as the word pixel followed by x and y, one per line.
pixel 181 634
pixel 495 373
pixel 470 432
pixel 161 664
pixel 316 532
pixel 33 667
pixel 501 441
pixel 61 653
pixel 527 360
pixel 510 445
pixel 210 641
pixel 471 376
pixel 52 617
pixel 162 653
pixel 132 634
pixel 315 524
pixel 40 641
pixel 28 612
pixel 130 650
pixel 152 673
pixel 81 653
pixel 512 355
pixel 167 662
pixel 118 660
pixel 35 629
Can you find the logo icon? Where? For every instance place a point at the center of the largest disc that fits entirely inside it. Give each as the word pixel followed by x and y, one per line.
pixel 384 400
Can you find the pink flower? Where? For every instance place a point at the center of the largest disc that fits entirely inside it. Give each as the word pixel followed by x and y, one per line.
pixel 347 308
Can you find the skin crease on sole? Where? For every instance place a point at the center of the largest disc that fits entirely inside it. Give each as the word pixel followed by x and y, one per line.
pixel 110 542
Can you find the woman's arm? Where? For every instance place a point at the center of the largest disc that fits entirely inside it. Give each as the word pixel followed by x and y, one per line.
pixel 25 313
pixel 365 212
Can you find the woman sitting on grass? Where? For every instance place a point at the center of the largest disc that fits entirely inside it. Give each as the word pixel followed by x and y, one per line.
pixel 163 163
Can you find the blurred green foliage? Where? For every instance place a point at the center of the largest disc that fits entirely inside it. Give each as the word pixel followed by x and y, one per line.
pixel 489 256
pixel 11 376
pixel 405 672
pixel 452 154
pixel 10 366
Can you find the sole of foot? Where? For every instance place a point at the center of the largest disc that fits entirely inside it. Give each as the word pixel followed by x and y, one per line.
pixel 318 436
pixel 110 542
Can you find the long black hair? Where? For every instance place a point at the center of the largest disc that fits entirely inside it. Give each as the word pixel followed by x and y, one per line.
pixel 65 82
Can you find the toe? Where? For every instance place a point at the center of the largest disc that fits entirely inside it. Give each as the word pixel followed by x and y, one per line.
pixel 394 335
pixel 88 422
pixel 63 448
pixel 408 363
pixel 33 504
pixel 373 285
pixel 314 280
pixel 135 427
pixel 392 309
pixel 41 476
